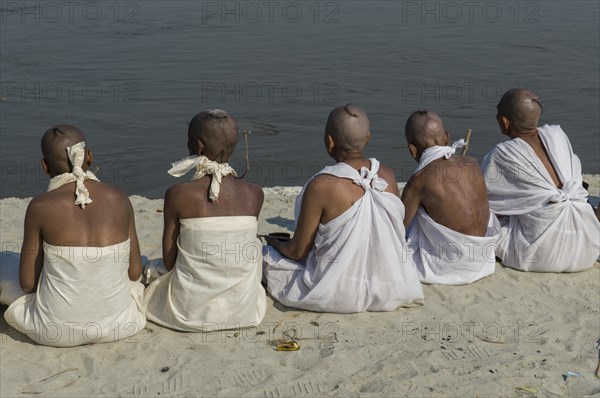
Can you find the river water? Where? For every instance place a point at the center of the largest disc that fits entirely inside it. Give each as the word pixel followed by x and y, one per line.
pixel 131 74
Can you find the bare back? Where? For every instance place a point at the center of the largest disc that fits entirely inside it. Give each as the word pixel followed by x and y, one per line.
pixel 53 218
pixel 190 200
pixel 453 192
pixel 104 222
pixel 236 198
pixel 342 193
pixel 540 150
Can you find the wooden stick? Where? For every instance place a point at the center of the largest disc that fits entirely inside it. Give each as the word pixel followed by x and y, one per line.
pixel 246 134
pixel 466 147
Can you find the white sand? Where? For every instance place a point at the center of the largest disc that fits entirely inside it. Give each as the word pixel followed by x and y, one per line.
pixel 511 330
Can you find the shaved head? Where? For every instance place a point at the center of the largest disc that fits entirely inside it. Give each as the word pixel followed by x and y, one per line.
pixel 218 132
pixel 522 108
pixel 348 125
pixel 55 142
pixel 425 129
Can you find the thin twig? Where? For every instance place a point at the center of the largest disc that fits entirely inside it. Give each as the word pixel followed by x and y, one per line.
pixel 466 147
pixel 246 134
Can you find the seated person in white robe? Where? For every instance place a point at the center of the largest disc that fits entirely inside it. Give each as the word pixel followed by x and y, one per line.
pixel 451 231
pixel 348 253
pixel 535 187
pixel 210 244
pixel 80 261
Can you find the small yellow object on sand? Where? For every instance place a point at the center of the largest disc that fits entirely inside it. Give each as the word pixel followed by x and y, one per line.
pixel 530 390
pixel 287 346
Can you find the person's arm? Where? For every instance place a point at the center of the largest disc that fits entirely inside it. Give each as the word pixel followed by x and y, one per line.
pixel 390 177
pixel 411 198
pixel 259 198
pixel 170 230
pixel 311 212
pixel 32 259
pixel 135 259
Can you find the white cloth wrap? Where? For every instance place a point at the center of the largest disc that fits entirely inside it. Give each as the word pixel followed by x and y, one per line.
pixel 203 167
pixel 76 154
pixel 435 152
pixel 215 283
pixel 544 228
pixel 84 296
pixel 359 260
pixel 366 179
pixel 446 257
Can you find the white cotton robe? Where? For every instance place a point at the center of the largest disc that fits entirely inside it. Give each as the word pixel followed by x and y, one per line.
pixel 544 228
pixel 442 255
pixel 446 257
pixel 359 260
pixel 84 296
pixel 216 281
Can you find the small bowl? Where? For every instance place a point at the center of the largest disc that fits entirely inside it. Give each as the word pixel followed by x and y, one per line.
pixel 280 235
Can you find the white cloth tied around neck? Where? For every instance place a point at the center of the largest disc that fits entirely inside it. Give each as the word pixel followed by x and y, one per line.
pixel 370 179
pixel 76 154
pixel 435 152
pixel 204 166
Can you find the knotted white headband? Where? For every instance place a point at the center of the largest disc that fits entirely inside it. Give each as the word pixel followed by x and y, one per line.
pixel 435 152
pixel 76 154
pixel 204 166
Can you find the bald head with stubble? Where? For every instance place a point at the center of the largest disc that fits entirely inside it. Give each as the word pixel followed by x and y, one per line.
pixel 214 133
pixel 55 142
pixel 521 108
pixel 349 128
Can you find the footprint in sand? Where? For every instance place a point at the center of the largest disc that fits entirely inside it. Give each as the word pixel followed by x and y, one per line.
pixel 54 382
pixel 250 378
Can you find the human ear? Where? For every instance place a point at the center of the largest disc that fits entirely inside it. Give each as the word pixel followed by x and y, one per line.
pixel 505 123
pixel 196 147
pixel 200 145
pixel 329 143
pixel 89 157
pixel 45 167
pixel 447 135
pixel 413 151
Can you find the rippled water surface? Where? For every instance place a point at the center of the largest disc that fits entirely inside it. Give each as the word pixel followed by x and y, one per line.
pixel 132 74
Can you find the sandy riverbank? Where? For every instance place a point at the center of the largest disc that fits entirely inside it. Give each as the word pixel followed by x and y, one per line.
pixel 511 334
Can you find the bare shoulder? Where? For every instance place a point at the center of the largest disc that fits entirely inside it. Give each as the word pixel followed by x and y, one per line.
pixel 114 192
pixel 471 165
pixel 176 192
pixel 111 195
pixel 387 174
pixel 252 191
pixel 322 184
pixel 252 188
pixel 415 183
pixel 469 160
pixel 41 204
pixel 175 189
pixel 51 203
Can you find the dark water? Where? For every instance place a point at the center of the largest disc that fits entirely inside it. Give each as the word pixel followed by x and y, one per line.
pixel 132 74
